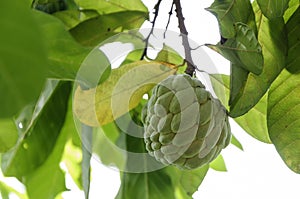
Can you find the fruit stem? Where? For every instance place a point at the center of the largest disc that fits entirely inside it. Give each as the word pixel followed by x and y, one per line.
pixel 190 70
pixel 156 11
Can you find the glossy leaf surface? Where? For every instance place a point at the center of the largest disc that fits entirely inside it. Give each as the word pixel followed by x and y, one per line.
pixel 23 61
pixel 40 130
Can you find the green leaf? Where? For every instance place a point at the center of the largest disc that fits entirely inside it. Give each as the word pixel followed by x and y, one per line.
pixel 49 173
pixel 236 142
pixel 229 12
pixel 120 93
pixel 112 6
pixel 72 156
pixel 186 182
pixel 254 121
pixel 169 55
pixel 293 6
pixel 65 56
pixel 94 69
pixel 86 136
pixel 23 62
pixel 93 31
pixel 49 6
pixel 238 79
pixel 104 146
pixel 218 164
pixel 8 134
pixel 154 185
pixel 191 180
pixel 46 182
pixel 243 50
pixel 245 54
pixel 258 14
pixel 283 118
pixel 293 29
pixel 169 182
pixel 221 88
pixel 132 37
pixel 220 84
pixel 273 8
pixel 136 39
pixel 249 50
pixel 29 2
pixel 133 56
pixel 273 39
pixel 39 131
pixel 72 18
pixel 71 4
pixel 6 190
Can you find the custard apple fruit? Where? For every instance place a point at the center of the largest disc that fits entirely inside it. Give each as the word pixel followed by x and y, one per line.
pixel 184 124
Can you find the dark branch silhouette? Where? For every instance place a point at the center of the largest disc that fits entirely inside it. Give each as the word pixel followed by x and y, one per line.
pixel 190 70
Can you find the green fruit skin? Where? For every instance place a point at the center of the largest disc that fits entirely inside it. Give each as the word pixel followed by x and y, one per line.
pixel 184 124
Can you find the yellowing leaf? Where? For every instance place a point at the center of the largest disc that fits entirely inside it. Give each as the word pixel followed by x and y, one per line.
pixel 120 93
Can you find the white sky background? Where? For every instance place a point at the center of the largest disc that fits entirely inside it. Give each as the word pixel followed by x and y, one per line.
pixel 256 172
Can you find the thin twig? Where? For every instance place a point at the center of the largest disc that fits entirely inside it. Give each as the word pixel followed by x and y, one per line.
pixel 190 69
pixel 201 71
pixel 196 48
pixel 169 19
pixel 156 10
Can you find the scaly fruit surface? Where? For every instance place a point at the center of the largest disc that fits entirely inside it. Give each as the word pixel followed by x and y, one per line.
pixel 184 124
